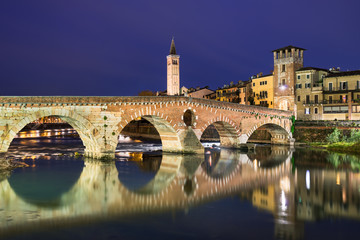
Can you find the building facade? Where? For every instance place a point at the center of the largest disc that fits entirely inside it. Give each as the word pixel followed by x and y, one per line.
pixel 236 93
pixel 199 92
pixel 173 71
pixel 286 61
pixel 342 96
pixel 309 94
pixel 263 90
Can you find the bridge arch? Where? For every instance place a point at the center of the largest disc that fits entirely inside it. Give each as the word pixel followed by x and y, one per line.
pixel 278 130
pixel 170 139
pixel 227 130
pixel 83 127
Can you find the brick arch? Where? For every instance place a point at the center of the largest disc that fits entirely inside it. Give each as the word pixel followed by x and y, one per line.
pixel 168 135
pixel 83 127
pixel 227 129
pixel 276 127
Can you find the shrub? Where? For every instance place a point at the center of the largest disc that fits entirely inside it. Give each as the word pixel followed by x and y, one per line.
pixel 354 136
pixel 334 137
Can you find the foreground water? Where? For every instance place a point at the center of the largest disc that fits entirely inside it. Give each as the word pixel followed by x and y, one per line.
pixel 272 193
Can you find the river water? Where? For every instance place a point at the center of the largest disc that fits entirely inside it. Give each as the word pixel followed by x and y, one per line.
pixel 270 193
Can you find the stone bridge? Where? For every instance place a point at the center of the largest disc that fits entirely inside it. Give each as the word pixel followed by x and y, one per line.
pixel 180 121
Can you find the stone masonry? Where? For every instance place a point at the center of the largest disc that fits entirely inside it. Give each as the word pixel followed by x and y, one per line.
pixel 100 120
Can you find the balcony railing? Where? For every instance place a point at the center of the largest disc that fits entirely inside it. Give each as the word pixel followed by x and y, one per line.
pixel 326 102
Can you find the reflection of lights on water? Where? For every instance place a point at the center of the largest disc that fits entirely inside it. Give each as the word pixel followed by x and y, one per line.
pixel 283 202
pixel 344 198
pixel 210 160
pixel 285 184
pixel 307 179
pixel 338 179
pixel 255 164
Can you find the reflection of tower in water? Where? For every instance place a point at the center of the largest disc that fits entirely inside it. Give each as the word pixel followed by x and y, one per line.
pixel 286 224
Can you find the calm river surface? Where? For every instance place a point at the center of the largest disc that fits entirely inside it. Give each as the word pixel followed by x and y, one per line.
pixel 269 193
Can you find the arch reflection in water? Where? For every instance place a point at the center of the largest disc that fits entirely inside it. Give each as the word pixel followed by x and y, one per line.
pixel 181 182
pixel 44 183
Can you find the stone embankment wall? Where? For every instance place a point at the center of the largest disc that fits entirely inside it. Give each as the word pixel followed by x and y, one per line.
pixel 316 131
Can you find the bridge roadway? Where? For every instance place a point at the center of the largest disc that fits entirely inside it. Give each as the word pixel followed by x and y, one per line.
pixel 180 121
pixel 181 182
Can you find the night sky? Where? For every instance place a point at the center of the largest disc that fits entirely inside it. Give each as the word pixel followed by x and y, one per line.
pixel 119 47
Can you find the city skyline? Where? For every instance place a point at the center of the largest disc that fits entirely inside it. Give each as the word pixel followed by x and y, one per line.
pixel 84 48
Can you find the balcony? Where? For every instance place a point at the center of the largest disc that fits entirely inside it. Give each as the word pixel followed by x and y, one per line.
pixel 325 102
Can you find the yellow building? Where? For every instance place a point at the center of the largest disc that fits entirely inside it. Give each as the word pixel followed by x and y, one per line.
pixel 263 90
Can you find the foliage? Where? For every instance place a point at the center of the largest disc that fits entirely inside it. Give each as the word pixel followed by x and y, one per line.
pixel 337 160
pixel 334 137
pixel 354 136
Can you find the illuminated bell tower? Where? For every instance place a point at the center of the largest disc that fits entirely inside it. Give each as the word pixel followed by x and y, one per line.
pixel 286 61
pixel 173 73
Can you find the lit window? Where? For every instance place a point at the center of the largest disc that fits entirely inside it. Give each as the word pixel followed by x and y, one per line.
pixel 307 110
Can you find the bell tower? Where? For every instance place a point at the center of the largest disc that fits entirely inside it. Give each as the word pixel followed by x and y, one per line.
pixel 286 61
pixel 173 73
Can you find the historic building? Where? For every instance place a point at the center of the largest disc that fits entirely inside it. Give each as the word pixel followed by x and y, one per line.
pixel 199 92
pixel 286 61
pixel 342 96
pixel 236 93
pixel 309 94
pixel 263 90
pixel 173 73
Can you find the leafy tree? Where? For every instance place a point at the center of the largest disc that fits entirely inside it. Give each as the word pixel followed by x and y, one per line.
pixel 146 93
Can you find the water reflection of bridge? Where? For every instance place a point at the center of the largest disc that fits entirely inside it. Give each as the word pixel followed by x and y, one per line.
pixel 183 181
pixel 180 182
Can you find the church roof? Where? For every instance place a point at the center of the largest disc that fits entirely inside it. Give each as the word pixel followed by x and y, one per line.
pixel 172 48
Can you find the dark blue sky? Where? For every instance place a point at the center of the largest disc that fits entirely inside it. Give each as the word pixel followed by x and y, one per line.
pixel 118 48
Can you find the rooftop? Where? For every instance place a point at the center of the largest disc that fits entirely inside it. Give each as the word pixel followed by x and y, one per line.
pixel 288 47
pixel 343 74
pixel 312 68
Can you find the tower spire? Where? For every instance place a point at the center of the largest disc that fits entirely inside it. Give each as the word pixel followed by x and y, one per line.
pixel 172 47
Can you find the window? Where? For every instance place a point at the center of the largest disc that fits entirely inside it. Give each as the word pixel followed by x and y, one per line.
pixel 244 99
pixel 298 77
pixel 307 110
pixel 316 99
pixel 330 86
pixel 300 85
pixel 307 76
pixel 299 99
pixel 343 98
pixel 316 110
pixel 307 85
pixel 330 99
pixel 174 62
pixel 253 84
pixel 307 99
pixel 357 84
pixel 283 68
pixel 283 82
pixel 343 85
pixel 265 82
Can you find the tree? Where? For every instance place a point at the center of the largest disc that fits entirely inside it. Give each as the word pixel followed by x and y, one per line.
pixel 146 93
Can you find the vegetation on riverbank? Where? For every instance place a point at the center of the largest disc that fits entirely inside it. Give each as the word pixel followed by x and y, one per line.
pixel 337 142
